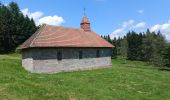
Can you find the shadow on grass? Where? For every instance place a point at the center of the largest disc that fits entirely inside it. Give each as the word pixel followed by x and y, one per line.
pixel 164 69
pixel 133 66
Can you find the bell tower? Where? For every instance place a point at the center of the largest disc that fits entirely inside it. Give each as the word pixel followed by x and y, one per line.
pixel 85 24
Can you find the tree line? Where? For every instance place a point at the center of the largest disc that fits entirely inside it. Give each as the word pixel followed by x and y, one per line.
pixel 15 28
pixel 147 46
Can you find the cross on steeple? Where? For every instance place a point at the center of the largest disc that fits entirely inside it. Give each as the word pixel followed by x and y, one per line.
pixel 84 11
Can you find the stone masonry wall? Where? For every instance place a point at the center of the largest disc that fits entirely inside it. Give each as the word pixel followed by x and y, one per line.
pixel 45 60
pixel 27 60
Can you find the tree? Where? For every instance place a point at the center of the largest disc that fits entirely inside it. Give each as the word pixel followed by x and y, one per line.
pixel 159 45
pixel 114 50
pixel 5 30
pixel 15 27
pixel 109 39
pixel 118 44
pixel 134 45
pixel 147 46
pixel 123 48
pixel 153 45
pixel 166 56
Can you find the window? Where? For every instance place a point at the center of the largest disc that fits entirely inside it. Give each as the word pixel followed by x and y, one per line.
pixel 97 53
pixel 59 55
pixel 80 54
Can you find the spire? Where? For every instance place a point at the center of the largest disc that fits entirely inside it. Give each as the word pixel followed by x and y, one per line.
pixel 84 11
pixel 85 24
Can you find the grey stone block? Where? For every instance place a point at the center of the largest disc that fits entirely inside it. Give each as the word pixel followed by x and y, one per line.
pixel 44 60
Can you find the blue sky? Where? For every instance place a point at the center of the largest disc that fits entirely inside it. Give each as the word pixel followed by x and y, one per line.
pixel 114 17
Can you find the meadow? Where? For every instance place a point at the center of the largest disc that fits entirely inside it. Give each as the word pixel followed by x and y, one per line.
pixel 130 80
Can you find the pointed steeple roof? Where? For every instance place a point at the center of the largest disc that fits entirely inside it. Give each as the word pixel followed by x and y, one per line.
pixel 85 20
pixel 85 24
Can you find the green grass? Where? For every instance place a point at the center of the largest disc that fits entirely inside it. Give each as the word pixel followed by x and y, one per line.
pixel 133 80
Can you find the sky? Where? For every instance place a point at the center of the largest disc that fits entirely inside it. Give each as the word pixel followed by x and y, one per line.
pixel 107 17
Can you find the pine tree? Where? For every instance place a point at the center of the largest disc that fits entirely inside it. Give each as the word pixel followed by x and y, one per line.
pixel 109 39
pixel 158 45
pixel 15 27
pixel 147 46
pixel 133 45
pixel 153 45
pixel 118 44
pixel 123 48
pixel 1 24
pixel 166 55
pixel 114 54
pixel 5 30
pixel 139 49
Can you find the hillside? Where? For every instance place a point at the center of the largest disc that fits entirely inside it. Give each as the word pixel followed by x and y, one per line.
pixel 131 81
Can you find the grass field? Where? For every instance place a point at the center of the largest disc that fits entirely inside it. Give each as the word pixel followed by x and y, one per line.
pixel 131 81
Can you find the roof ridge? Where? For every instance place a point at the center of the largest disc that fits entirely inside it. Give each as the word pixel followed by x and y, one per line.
pixel 64 27
pixel 38 32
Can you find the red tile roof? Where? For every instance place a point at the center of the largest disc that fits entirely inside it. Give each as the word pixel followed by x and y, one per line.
pixel 54 36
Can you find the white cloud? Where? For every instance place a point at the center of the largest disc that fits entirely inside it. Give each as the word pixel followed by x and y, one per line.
pixel 140 25
pixel 52 20
pixel 118 33
pixel 35 15
pixel 164 28
pixel 140 11
pixel 39 17
pixel 128 23
pixel 25 11
pixel 126 26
